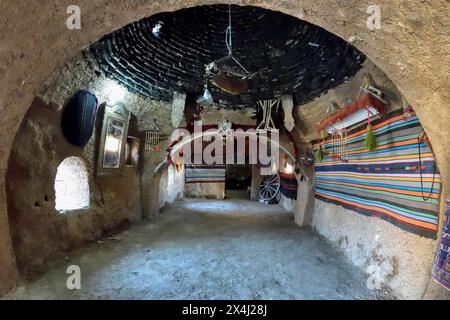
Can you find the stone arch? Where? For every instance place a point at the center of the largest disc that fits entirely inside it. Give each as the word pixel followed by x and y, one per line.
pixel 412 48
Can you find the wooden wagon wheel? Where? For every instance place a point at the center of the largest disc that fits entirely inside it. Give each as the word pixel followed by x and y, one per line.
pixel 269 187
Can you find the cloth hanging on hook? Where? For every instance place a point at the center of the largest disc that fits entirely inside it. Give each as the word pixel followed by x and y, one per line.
pixel 407 109
pixel 370 142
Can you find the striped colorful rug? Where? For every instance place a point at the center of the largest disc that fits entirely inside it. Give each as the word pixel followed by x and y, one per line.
pixel 386 182
pixel 288 185
pixel 205 173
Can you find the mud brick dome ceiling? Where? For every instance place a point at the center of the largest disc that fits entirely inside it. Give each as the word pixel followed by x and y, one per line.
pixel 294 56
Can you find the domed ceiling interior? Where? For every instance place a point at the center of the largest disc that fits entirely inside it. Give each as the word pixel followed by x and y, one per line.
pixel 286 55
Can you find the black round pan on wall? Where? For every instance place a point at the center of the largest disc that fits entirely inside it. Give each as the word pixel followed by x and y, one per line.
pixel 78 118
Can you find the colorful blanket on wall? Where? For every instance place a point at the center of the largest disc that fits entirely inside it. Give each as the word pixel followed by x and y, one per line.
pixel 385 182
pixel 288 185
pixel 441 266
pixel 205 173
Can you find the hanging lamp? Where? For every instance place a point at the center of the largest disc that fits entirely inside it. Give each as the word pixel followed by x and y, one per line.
pixel 218 65
pixel 207 97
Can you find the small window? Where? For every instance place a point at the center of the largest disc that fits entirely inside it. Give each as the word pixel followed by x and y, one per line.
pixel 71 185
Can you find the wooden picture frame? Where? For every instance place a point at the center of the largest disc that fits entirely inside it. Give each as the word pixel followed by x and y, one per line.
pixel 113 140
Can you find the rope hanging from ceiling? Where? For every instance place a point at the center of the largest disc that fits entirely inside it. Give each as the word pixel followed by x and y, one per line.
pixel 261 40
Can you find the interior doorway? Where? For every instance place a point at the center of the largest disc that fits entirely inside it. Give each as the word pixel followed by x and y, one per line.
pixel 238 181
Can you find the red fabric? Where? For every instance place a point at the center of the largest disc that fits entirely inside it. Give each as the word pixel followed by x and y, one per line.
pixel 365 101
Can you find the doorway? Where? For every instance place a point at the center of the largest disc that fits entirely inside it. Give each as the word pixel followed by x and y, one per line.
pixel 238 181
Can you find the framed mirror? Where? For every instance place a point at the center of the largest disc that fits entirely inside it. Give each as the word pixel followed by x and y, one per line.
pixel 113 140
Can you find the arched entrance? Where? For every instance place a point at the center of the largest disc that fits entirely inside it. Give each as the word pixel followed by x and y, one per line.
pixel 411 48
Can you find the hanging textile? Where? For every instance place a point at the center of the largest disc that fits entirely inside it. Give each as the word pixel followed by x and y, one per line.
pixel 441 266
pixel 267 109
pixel 370 143
pixel 205 173
pixel 407 109
pixel 288 185
pixel 393 182
pixel 339 145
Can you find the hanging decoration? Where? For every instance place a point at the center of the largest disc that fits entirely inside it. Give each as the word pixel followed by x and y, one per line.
pixel 369 103
pixel 197 116
pixel 206 99
pixel 352 114
pixel 339 146
pixel 287 104
pixel 229 84
pixel 320 152
pixel 174 142
pixel 407 109
pixel 423 138
pixel 267 107
pixel 371 142
pixel 78 118
pixel 153 137
pixel 307 158
pixel 332 108
pixel 225 128
pixel 231 79
pixel 156 30
pixel 180 161
pixel 178 105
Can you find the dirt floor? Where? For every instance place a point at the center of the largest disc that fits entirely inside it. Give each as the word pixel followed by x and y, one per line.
pixel 208 249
